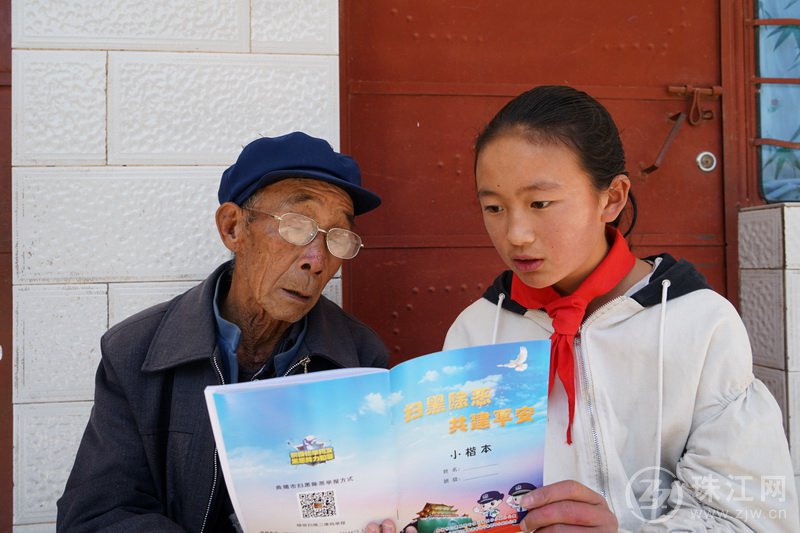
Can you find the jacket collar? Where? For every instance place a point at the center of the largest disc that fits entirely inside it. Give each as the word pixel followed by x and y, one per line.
pixel 187 331
pixel 682 275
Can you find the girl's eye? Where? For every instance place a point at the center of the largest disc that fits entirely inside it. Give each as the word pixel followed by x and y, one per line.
pixel 540 205
pixel 492 208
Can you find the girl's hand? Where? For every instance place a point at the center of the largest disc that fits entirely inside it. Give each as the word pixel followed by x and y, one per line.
pixel 566 503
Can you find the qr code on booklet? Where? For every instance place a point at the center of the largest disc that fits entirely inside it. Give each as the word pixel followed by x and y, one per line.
pixel 317 504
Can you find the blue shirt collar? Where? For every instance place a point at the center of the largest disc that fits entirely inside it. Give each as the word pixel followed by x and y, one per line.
pixel 229 335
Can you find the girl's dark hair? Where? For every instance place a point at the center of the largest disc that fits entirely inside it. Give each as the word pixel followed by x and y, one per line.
pixel 556 114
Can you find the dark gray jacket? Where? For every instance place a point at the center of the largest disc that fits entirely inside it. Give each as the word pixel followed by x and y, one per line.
pixel 147 461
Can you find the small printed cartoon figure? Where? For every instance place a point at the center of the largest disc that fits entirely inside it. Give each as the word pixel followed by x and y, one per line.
pixel 489 503
pixel 515 495
pixel 311 451
pixel 310 442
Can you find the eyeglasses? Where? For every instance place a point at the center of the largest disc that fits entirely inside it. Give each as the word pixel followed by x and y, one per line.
pixel 300 230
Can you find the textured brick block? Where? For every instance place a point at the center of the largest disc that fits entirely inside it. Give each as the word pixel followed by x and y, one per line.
pixel 775 380
pixel 791 222
pixel 210 25
pixel 793 399
pixel 762 304
pixel 57 341
pixel 115 224
pixel 46 438
pixel 761 237
pixel 59 111
pixel 125 299
pixel 201 108
pixel 792 283
pixel 288 26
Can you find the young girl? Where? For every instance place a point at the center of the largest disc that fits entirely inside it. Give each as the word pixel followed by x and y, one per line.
pixel 655 421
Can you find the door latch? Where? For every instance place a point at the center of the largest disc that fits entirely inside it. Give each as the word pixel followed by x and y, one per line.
pixel 696 111
pixel 679 120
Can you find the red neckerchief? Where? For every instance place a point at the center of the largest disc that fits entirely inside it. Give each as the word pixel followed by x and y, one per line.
pixel 568 311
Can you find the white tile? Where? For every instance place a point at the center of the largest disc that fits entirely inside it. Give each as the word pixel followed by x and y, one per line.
pixel 115 224
pixel 57 333
pixel 793 399
pixel 190 109
pixel 761 298
pixel 59 108
pixel 775 380
pixel 46 438
pixel 47 527
pixel 209 25
pixel 792 278
pixel 333 291
pixel 761 237
pixel 125 299
pixel 292 26
pixel 791 222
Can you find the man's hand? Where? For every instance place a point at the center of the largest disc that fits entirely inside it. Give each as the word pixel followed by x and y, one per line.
pixel 566 503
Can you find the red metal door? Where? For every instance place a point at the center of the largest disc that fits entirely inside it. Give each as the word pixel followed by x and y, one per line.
pixel 420 78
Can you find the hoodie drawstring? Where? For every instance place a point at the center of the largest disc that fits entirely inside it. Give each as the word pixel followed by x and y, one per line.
pixel 500 299
pixel 659 415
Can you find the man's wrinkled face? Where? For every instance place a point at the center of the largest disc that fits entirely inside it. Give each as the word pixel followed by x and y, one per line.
pixel 285 280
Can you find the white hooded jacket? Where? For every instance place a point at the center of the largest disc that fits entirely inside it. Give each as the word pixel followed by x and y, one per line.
pixel 664 386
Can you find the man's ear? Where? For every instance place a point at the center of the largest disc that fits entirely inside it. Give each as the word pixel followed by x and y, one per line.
pixel 230 225
pixel 616 197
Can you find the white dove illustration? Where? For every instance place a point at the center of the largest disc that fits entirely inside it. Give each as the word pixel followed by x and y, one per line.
pixel 518 363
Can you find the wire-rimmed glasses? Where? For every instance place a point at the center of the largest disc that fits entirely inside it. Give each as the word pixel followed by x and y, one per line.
pixel 300 230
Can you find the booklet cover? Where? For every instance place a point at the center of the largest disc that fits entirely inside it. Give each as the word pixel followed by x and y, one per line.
pixel 447 442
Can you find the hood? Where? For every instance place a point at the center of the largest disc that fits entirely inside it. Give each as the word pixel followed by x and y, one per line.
pixel 682 275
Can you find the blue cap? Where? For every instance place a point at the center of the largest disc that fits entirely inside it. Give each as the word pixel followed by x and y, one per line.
pixel 521 488
pixel 490 496
pixel 294 155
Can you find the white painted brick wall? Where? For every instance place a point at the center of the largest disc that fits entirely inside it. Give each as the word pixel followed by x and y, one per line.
pixel 125 299
pixel 769 262
pixel 200 108
pixel 776 382
pixel 189 25
pixel 792 284
pixel 791 225
pixel 45 439
pixel 124 115
pixel 59 108
pixel 761 299
pixel 289 26
pixel 761 238
pixel 115 224
pixel 57 332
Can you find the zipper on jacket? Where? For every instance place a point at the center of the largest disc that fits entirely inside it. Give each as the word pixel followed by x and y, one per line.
pixel 304 361
pixel 586 384
pixel 214 483
pixel 586 380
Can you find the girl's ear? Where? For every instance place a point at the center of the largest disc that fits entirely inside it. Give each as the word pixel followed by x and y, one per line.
pixel 230 223
pixel 616 196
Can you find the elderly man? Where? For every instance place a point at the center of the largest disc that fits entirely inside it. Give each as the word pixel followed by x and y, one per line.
pixel 147 461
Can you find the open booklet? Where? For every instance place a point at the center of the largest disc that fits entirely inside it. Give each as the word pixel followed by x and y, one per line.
pixel 447 442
